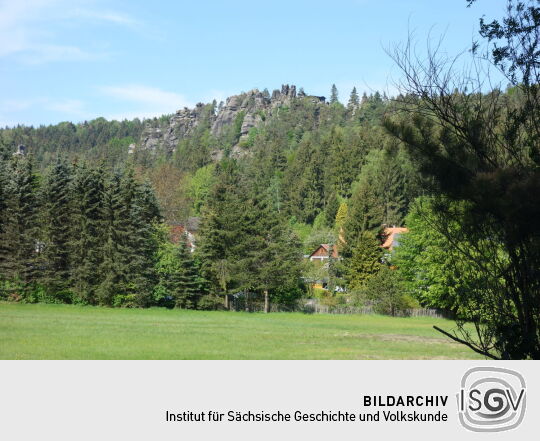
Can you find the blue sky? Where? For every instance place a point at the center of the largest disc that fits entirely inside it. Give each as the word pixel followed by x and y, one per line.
pixel 71 60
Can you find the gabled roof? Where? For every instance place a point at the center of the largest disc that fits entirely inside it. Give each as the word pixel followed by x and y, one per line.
pixel 390 236
pixel 326 247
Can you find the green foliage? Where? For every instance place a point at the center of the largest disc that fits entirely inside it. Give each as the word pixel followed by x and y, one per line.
pixel 193 152
pixel 479 154
pixel 432 271
pixel 382 193
pixel 318 237
pixel 179 281
pixel 363 260
pixel 436 273
pixel 56 214
pixel 87 239
pixel 245 244
pixel 341 215
pixel 386 292
pixel 301 229
pixel 334 95
pixel 19 231
pixel 354 101
pixel 200 186
pixel 97 139
pixel 331 210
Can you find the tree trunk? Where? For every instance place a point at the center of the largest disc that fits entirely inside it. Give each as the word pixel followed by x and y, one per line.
pixel 266 302
pixel 227 301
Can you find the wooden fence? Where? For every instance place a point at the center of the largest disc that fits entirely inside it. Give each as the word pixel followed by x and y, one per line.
pixel 311 306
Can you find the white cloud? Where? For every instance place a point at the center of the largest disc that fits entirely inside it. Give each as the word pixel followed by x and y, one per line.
pixel 45 53
pixel 151 100
pixel 27 28
pixel 106 16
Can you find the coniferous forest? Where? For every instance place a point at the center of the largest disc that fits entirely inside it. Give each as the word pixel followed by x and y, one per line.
pixel 114 214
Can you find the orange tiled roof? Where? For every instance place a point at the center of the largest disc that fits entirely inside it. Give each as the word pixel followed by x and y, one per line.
pixel 389 234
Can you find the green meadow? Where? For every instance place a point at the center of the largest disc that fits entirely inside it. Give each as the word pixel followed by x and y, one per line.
pixel 39 331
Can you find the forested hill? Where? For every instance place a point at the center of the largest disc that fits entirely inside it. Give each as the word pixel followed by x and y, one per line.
pixel 86 213
pixel 271 177
pixel 306 151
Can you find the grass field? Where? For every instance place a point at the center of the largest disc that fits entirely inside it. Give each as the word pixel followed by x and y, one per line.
pixel 77 332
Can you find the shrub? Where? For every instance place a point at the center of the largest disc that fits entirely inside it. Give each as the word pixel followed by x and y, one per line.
pixel 387 292
pixel 210 302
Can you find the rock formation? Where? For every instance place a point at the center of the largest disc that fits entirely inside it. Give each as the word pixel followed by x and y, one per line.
pixel 253 105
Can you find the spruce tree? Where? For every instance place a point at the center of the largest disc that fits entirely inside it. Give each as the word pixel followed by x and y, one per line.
pixel 4 198
pixel 87 235
pixel 354 101
pixel 331 210
pixel 364 213
pixel 334 94
pixel 21 228
pixel 142 245
pixel 56 218
pixel 221 230
pixel 271 252
pixel 114 268
pixel 184 281
pixel 380 195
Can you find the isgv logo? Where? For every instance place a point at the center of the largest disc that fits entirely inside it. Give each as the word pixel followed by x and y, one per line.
pixel 491 399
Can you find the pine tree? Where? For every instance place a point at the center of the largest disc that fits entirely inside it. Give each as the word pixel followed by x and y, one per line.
pixel 354 102
pixel 56 218
pixel 334 94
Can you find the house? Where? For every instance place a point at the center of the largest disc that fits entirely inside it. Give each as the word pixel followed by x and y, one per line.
pixel 391 237
pixel 321 256
pixel 190 228
pixel 175 233
pixel 322 253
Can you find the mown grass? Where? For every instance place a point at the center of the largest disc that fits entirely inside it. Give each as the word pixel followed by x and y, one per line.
pixel 84 332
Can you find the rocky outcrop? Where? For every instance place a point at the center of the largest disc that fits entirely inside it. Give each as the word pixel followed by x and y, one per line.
pixel 248 103
pixel 251 106
pixel 179 126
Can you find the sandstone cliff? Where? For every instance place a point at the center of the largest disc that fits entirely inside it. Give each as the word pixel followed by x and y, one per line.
pixel 252 105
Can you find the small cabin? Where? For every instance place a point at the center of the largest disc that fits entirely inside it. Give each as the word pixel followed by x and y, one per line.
pixel 322 253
